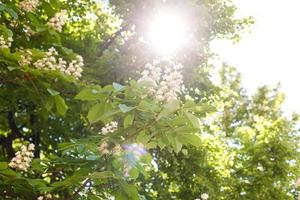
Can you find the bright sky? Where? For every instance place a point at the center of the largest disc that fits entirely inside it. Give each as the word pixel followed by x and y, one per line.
pixel 271 53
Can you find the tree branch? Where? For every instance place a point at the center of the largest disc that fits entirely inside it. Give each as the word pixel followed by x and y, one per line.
pixel 111 40
pixel 35 134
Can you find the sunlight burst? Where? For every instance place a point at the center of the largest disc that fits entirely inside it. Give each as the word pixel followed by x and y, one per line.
pixel 168 32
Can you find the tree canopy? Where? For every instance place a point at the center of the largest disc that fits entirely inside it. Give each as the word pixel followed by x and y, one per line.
pixel 89 110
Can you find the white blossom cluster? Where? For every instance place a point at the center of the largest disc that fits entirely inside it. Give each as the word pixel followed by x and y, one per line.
pixel 109 128
pixel 164 81
pixel 49 62
pixel 26 57
pixel 117 149
pixel 5 42
pixel 46 197
pixel 14 24
pixel 29 5
pixel 104 149
pixel 204 196
pixel 23 158
pixel 58 21
pixel 28 31
pixel 75 67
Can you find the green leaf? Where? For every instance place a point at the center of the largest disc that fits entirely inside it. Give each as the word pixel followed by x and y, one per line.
pixel 92 157
pixel 36 165
pixel 61 106
pixel 168 109
pixel 8 172
pixel 37 183
pixel 10 68
pixel 9 11
pixel 48 8
pixel 128 120
pixel 192 139
pixel 49 103
pixel 177 144
pixel 146 106
pixel 130 191
pixel 101 175
pixel 163 141
pixel 89 94
pixel 3 165
pixel 195 121
pixel 118 87
pixel 200 108
pixel 134 173
pixel 96 112
pixel 124 108
pixel 143 137
pixel 151 145
pixel 53 92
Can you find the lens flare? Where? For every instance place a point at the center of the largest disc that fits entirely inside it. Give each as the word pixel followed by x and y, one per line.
pixel 168 32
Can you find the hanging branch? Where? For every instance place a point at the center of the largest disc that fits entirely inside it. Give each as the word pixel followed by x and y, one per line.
pixel 111 40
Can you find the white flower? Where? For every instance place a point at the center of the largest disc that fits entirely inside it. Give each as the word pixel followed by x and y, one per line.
pixel 47 196
pixel 26 58
pixel 5 42
pixel 109 128
pixel 163 82
pixel 103 148
pixel 28 31
pixel 49 62
pixel 31 147
pixel 29 5
pixel 23 158
pixel 74 67
pixel 117 149
pixel 204 196
pixel 58 21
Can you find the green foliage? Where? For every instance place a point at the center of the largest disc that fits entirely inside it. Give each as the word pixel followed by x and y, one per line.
pixel 212 139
